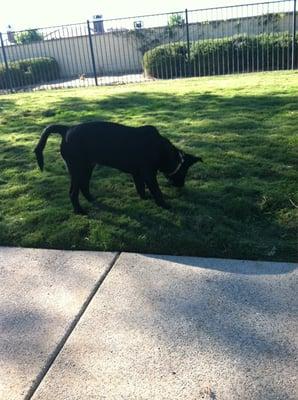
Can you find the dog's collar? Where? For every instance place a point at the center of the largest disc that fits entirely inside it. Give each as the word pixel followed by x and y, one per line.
pixel 178 166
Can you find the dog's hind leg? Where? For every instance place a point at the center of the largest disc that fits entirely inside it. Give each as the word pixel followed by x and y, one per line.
pixel 140 185
pixel 75 188
pixel 85 181
pixel 151 182
pixel 74 197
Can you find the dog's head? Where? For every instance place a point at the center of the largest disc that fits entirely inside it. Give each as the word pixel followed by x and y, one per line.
pixel 184 162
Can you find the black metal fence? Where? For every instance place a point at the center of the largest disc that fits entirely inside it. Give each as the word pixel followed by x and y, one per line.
pixel 211 41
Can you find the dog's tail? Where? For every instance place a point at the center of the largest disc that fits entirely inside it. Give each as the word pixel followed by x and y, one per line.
pixel 61 129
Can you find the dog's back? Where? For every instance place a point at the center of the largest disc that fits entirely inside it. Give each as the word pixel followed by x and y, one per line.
pixel 115 145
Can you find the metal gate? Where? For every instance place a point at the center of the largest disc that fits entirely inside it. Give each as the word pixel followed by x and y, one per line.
pixel 211 41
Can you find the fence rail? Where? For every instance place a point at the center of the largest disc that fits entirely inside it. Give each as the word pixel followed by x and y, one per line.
pixel 211 41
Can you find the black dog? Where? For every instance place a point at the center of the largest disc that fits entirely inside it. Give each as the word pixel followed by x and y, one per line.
pixel 141 152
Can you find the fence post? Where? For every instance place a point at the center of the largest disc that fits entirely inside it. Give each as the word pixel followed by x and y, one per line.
pixel 294 36
pixel 188 43
pixel 92 53
pixel 6 63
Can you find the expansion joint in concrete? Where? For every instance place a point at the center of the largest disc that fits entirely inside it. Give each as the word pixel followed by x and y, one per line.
pixel 69 331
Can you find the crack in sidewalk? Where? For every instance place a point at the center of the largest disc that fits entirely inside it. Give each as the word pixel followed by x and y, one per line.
pixel 69 331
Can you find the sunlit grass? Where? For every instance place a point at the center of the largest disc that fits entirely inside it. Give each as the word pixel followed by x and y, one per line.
pixel 241 203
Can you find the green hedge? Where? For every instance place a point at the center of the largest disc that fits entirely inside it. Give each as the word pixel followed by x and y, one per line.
pixel 220 56
pixel 29 72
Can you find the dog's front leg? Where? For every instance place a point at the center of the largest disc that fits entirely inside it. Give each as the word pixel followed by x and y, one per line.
pixel 140 185
pixel 151 182
pixel 71 187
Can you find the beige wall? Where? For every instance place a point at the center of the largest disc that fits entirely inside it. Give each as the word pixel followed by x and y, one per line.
pixel 116 53
pixel 113 54
pixel 250 26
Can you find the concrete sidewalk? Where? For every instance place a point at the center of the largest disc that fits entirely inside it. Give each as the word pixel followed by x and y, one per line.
pixel 89 325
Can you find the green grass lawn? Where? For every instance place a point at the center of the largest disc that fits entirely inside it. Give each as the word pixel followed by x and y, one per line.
pixel 241 203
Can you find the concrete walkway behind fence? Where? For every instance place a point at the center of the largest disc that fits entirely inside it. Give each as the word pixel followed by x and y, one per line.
pixel 91 325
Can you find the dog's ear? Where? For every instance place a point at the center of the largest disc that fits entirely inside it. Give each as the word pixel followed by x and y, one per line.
pixel 192 159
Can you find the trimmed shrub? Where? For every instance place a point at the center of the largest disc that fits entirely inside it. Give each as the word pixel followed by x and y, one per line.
pixel 29 72
pixel 43 69
pixel 220 56
pixel 15 74
pixel 166 61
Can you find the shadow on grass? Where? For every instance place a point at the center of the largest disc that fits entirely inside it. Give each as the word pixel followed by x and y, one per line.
pixel 6 103
pixel 237 204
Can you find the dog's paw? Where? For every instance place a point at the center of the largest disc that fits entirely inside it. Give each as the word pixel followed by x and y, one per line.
pixel 80 211
pixel 96 204
pixel 166 206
